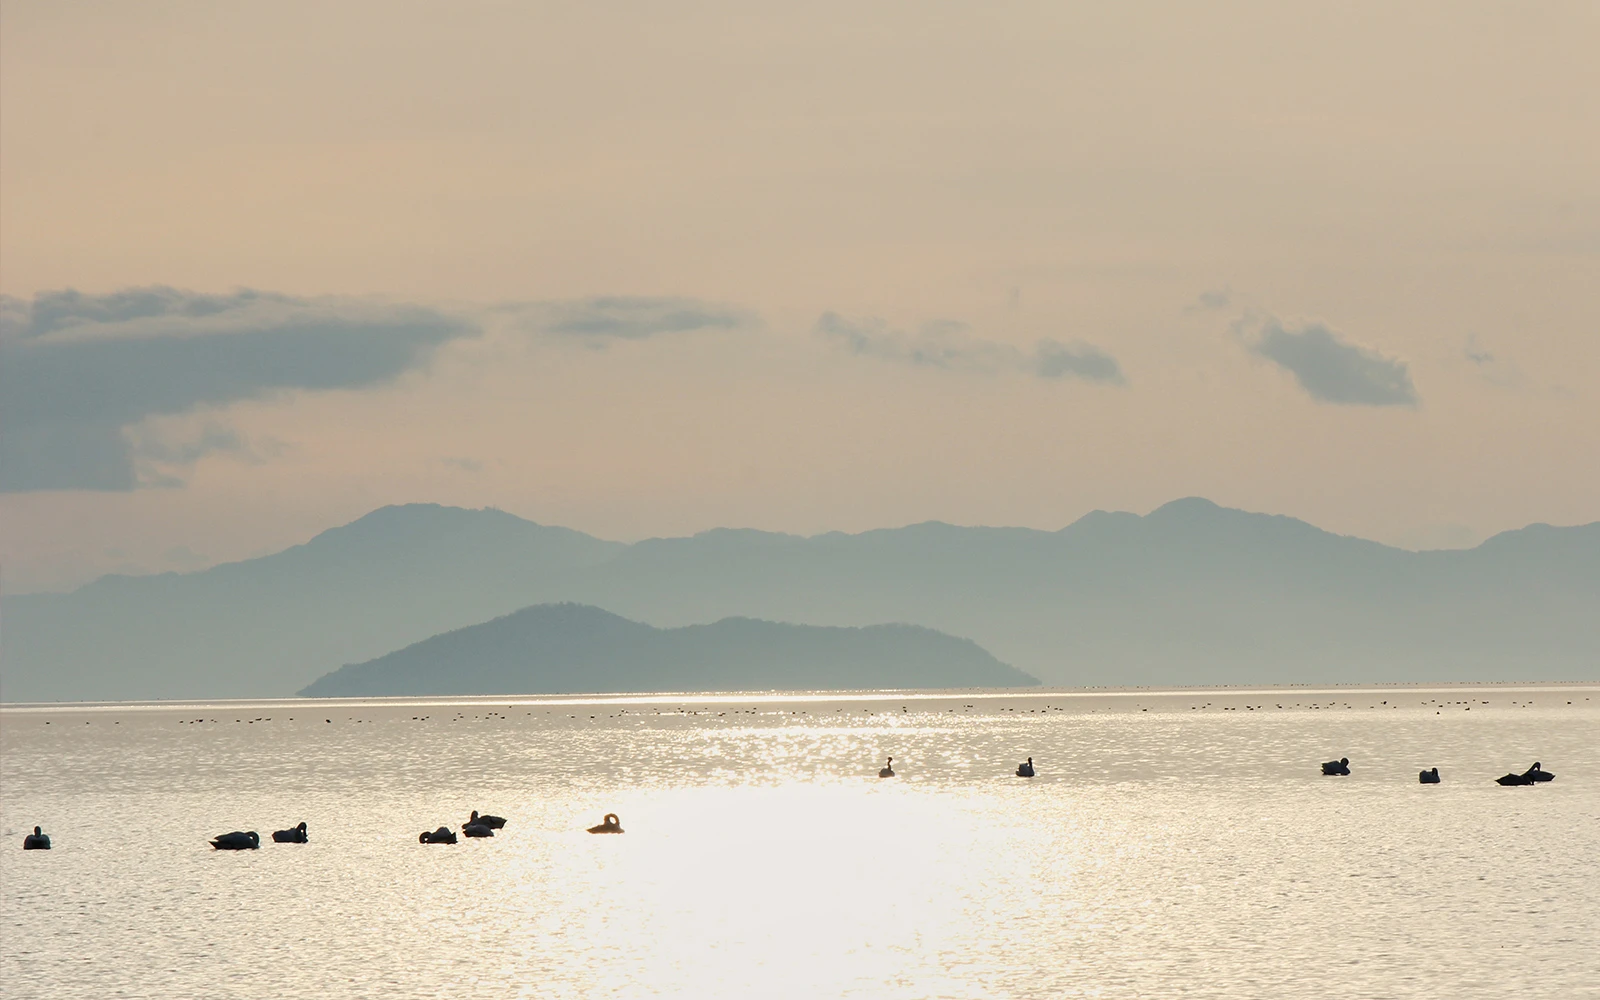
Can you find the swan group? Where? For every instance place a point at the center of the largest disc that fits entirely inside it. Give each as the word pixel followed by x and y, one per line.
pixel 480 825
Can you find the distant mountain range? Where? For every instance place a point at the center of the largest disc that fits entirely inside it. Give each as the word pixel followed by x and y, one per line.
pixel 1191 593
pixel 562 648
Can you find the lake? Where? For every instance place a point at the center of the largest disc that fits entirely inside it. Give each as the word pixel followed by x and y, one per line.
pixel 1173 844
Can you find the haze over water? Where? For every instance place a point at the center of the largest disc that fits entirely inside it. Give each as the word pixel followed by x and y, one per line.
pixel 1173 844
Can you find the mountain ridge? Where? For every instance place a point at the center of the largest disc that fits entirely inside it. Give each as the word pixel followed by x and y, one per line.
pixel 1190 593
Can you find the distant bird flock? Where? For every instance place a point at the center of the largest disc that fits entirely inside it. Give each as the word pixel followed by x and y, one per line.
pixel 480 825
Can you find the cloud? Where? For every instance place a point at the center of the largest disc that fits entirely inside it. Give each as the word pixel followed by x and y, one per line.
pixel 1211 300
pixel 1052 359
pixel 1332 370
pixel 608 318
pixel 78 372
pixel 949 345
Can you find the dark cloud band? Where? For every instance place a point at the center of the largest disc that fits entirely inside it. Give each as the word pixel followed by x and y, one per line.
pixel 78 369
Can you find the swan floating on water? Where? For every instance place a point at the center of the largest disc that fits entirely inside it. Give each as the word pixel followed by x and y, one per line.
pixel 443 835
pixel 492 822
pixel 293 835
pixel 38 840
pixel 611 824
pixel 888 769
pixel 1340 766
pixel 477 830
pixel 1025 770
pixel 237 841
pixel 1429 777
pixel 1531 776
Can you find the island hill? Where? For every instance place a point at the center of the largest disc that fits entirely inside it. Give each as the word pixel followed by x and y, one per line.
pixel 571 648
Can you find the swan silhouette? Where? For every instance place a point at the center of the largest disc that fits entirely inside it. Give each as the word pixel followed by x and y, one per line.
pixel 443 835
pixel 1531 776
pixel 293 835
pixel 611 824
pixel 888 769
pixel 1025 770
pixel 237 841
pixel 1429 777
pixel 476 830
pixel 38 840
pixel 492 822
pixel 1340 766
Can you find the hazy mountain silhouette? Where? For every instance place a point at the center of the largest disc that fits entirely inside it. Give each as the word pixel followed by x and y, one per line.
pixel 561 648
pixel 268 626
pixel 1190 593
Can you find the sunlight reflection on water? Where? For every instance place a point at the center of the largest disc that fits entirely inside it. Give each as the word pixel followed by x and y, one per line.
pixel 1173 845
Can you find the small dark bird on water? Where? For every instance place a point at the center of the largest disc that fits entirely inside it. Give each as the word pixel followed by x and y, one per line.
pixel 1340 766
pixel 888 769
pixel 611 824
pixel 443 835
pixel 1429 777
pixel 1025 770
pixel 38 840
pixel 237 841
pixel 492 822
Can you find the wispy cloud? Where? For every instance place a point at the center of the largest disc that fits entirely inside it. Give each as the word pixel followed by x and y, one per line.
pixel 1211 300
pixel 1475 353
pixel 78 371
pixel 950 345
pixel 609 318
pixel 1331 369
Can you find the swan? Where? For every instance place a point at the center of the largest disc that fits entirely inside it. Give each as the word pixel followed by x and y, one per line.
pixel 1340 766
pixel 38 840
pixel 1025 770
pixel 492 822
pixel 888 769
pixel 1514 779
pixel 443 835
pixel 1538 773
pixel 237 841
pixel 611 824
pixel 1430 777
pixel 476 830
pixel 293 835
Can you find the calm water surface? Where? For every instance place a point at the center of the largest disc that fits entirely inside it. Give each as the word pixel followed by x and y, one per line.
pixel 1174 844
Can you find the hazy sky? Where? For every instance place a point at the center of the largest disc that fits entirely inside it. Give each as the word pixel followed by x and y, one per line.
pixel 646 269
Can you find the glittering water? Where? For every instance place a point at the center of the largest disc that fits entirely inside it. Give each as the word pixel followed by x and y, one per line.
pixel 1173 845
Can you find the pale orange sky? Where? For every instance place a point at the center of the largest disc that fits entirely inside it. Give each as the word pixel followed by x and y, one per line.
pixel 1423 180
